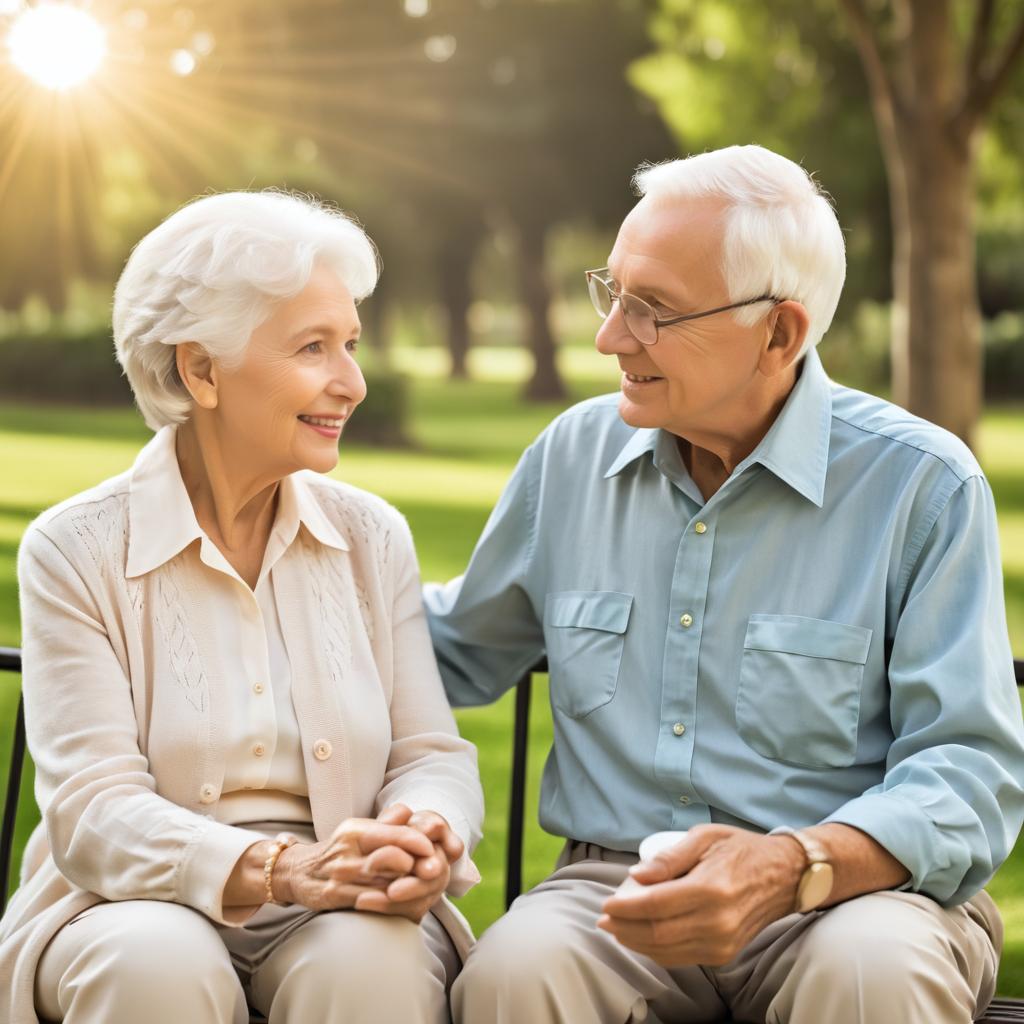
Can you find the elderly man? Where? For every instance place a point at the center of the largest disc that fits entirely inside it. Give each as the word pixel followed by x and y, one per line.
pixel 773 614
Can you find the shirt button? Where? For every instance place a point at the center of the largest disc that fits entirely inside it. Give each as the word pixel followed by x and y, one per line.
pixel 322 750
pixel 684 800
pixel 257 687
pixel 679 728
pixel 686 620
pixel 701 527
pixel 258 749
pixel 207 793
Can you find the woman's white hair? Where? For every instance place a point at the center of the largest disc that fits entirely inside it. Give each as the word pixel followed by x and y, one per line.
pixel 211 274
pixel 781 234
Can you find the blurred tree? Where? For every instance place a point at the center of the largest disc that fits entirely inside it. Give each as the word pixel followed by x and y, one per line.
pixel 783 75
pixel 435 120
pixel 935 73
pixel 464 231
pixel 84 173
pixel 476 113
pixel 43 205
pixel 554 130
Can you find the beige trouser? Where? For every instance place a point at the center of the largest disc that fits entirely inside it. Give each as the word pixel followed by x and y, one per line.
pixel 163 963
pixel 887 958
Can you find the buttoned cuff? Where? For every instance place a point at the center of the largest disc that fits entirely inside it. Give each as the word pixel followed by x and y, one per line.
pixel 903 829
pixel 211 857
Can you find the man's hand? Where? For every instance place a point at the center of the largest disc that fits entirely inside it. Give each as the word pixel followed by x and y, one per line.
pixel 414 894
pixel 703 900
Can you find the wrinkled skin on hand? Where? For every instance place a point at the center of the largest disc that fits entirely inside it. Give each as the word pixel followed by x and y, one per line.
pixel 704 899
pixel 412 895
pixel 363 855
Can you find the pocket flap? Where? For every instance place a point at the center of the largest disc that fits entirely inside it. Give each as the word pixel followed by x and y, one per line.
pixel 607 610
pixel 813 638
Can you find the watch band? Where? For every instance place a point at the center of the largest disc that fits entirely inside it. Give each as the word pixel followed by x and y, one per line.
pixel 815 883
pixel 815 851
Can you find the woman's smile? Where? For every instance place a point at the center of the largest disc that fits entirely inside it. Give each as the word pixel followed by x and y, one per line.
pixel 326 426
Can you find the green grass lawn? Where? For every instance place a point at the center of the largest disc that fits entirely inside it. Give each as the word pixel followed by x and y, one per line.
pixel 468 436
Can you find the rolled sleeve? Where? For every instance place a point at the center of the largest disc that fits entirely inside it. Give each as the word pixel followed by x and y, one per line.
pixel 903 829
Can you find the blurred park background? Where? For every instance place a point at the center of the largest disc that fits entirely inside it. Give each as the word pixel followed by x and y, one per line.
pixel 487 146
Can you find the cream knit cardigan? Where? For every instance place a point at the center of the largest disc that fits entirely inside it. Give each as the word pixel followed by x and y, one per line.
pixel 125 685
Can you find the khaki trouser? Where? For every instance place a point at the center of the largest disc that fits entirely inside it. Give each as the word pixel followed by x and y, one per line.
pixel 886 958
pixel 163 963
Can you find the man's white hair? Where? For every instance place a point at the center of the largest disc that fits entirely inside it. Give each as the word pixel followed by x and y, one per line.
pixel 781 235
pixel 211 273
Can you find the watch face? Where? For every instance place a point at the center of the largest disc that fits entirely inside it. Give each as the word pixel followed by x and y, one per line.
pixel 815 886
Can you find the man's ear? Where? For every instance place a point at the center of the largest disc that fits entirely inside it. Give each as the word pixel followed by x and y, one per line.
pixel 197 373
pixel 788 324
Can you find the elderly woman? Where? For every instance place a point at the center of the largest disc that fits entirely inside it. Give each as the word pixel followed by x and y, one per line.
pixel 252 788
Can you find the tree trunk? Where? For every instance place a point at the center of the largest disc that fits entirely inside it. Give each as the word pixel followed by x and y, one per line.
pixel 936 341
pixel 937 334
pixel 928 151
pixel 546 383
pixel 456 294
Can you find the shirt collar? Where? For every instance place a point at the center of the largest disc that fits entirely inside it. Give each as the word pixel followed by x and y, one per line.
pixel 795 448
pixel 298 490
pixel 162 521
pixel 643 440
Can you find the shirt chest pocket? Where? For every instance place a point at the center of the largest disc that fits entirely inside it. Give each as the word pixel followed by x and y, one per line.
pixel 799 689
pixel 584 631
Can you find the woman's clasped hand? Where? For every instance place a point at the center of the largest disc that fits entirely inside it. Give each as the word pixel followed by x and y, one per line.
pixel 398 863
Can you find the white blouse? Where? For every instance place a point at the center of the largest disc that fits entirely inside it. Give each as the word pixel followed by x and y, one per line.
pixel 264 777
pixel 264 773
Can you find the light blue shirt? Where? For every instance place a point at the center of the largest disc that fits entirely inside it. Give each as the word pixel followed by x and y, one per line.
pixel 824 639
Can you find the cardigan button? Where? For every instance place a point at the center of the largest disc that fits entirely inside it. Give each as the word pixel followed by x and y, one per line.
pixel 207 793
pixel 322 750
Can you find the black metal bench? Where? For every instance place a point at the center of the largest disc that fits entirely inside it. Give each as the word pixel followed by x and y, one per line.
pixel 1002 1011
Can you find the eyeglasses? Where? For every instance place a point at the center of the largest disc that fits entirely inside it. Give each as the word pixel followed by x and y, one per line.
pixel 639 316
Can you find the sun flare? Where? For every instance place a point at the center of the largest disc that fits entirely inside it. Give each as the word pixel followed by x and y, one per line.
pixel 57 45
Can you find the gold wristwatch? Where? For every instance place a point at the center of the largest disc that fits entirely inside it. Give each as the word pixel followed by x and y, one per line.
pixel 816 881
